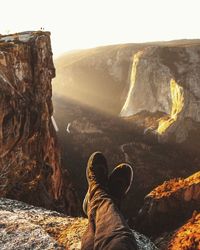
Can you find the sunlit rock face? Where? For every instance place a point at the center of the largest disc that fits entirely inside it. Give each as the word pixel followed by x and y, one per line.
pixel 166 79
pixel 97 77
pixel 29 156
pixel 170 204
pixel 187 236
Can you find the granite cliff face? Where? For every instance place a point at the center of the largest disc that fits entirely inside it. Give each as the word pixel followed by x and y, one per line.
pixel 158 80
pixel 30 167
pixel 97 77
pixel 166 79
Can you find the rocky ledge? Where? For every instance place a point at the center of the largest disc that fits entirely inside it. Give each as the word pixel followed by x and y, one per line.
pixel 172 210
pixel 30 168
pixel 27 227
pixel 23 226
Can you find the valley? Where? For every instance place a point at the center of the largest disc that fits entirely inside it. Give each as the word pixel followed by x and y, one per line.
pixel 92 130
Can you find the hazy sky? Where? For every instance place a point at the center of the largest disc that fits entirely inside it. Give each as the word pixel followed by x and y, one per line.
pixel 77 24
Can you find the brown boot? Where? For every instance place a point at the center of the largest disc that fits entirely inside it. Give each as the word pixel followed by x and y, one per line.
pixel 97 176
pixel 120 182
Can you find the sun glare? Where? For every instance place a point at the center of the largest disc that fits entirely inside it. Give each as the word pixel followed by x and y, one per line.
pixel 77 24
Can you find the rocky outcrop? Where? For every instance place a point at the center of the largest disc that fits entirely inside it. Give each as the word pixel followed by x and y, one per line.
pixel 28 227
pixel 188 236
pixel 169 205
pixel 30 167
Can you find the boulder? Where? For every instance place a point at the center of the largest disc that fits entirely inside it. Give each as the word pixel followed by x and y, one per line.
pixel 169 205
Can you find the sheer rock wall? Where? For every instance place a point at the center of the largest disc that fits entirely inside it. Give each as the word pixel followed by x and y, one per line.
pixel 165 80
pixel 30 167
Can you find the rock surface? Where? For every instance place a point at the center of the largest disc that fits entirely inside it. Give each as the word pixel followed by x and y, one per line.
pixel 166 79
pixel 98 77
pixel 23 226
pixel 30 167
pixel 188 236
pixel 27 227
pixel 169 205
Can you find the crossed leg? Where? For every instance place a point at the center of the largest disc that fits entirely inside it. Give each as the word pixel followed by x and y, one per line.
pixel 107 228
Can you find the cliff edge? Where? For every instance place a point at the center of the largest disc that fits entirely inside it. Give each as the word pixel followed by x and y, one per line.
pixel 29 155
pixel 29 227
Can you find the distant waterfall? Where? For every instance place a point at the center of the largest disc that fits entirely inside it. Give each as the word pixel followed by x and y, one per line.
pixel 177 96
pixel 136 58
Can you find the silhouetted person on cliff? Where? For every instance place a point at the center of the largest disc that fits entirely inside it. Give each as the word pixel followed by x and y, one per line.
pixel 107 228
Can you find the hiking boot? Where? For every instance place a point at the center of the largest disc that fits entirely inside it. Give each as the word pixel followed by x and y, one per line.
pixel 120 182
pixel 97 176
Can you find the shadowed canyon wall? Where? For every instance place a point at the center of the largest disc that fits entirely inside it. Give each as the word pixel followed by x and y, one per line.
pixel 30 167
